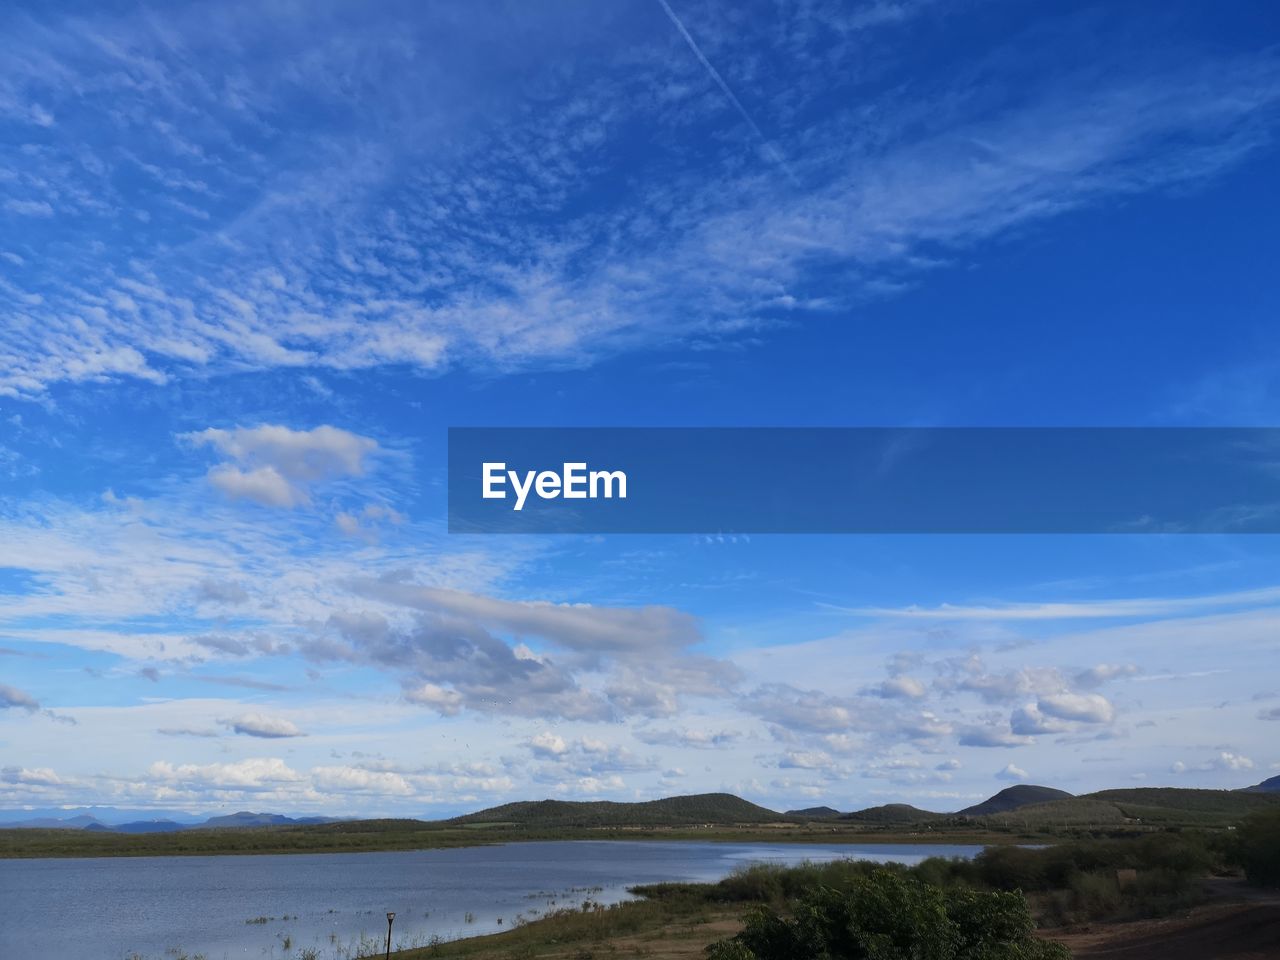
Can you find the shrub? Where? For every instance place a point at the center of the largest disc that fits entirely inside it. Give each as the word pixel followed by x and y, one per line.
pixel 885 915
pixel 1258 841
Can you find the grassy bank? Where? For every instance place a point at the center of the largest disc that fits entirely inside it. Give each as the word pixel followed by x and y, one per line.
pixel 374 835
pixel 1062 886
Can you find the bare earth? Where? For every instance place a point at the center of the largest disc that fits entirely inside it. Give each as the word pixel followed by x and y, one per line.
pixel 1243 925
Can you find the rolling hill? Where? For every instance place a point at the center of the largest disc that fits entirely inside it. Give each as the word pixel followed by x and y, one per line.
pixel 1012 798
pixel 717 808
pixel 815 813
pixel 1270 785
pixel 893 813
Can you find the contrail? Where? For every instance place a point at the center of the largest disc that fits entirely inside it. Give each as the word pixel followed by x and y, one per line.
pixel 774 153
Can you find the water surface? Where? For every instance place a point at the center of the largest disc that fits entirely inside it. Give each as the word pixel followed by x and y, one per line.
pixel 158 907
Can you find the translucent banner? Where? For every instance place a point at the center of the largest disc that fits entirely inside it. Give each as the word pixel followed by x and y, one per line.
pixel 864 480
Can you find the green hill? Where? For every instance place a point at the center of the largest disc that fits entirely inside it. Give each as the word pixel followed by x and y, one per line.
pixel 815 813
pixel 1011 798
pixel 1270 785
pixel 893 813
pixel 718 808
pixel 1181 805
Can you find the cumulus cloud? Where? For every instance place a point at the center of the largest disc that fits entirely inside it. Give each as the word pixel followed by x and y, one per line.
pixel 257 773
pixel 1029 721
pixel 1081 707
pixel 451 647
pixel 805 760
pixel 446 702
pixel 547 745
pixel 805 710
pixel 1011 772
pixel 1231 761
pixel 275 466
pixel 260 725
pixel 901 686
pixel 32 777
pixel 340 779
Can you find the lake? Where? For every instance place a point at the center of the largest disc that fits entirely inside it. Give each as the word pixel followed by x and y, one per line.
pixel 271 907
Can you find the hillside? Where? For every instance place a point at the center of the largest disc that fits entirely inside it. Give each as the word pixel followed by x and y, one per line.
pixel 815 813
pixel 893 813
pixel 718 808
pixel 1270 785
pixel 1186 806
pixel 1011 798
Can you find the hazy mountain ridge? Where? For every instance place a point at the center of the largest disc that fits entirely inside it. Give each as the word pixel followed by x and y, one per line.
pixel 84 821
pixel 1270 785
pixel 1028 804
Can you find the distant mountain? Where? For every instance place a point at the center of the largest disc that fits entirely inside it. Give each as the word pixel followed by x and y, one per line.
pixel 892 813
pixel 246 819
pixel 1011 798
pixel 142 826
pixel 815 813
pixel 1270 785
pixel 53 823
pixel 161 824
pixel 82 816
pixel 718 808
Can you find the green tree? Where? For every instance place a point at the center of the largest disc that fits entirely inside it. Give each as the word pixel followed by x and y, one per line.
pixel 887 916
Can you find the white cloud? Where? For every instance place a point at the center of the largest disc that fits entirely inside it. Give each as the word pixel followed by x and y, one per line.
pixel 547 744
pixel 805 760
pixel 275 465
pixel 24 776
pixel 1028 720
pixel 258 773
pixel 1011 772
pixel 1231 761
pixel 260 725
pixel 447 702
pixel 901 686
pixel 340 779
pixel 263 485
pixel 1081 707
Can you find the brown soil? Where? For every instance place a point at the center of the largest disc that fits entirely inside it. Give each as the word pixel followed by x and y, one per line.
pixel 1244 924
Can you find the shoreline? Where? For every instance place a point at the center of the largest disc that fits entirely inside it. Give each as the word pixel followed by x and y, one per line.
pixel 38 844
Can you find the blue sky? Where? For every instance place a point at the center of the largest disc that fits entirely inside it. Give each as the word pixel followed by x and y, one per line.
pixel 255 259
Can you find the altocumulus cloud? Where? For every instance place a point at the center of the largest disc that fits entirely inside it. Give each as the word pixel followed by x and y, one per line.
pixel 275 465
pixel 260 725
